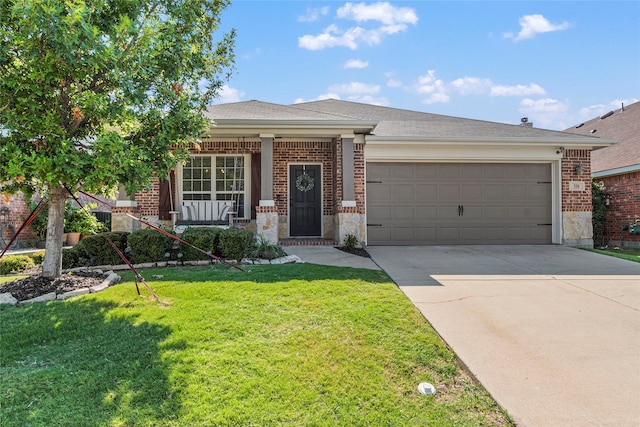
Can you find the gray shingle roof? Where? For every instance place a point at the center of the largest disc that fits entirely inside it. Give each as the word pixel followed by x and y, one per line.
pixel 623 125
pixel 407 123
pixel 386 122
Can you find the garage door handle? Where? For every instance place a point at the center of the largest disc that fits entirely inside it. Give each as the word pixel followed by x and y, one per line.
pixel 460 210
pixel 374 225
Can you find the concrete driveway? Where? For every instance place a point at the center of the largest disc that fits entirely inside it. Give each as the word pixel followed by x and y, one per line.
pixel 553 333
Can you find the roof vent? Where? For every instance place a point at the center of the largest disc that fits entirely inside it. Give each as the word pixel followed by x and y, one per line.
pixel 580 125
pixel 594 130
pixel 525 122
pixel 604 116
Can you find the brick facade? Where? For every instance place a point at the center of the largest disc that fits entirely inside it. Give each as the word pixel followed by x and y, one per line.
pixel 18 212
pixel 572 200
pixel 624 193
pixel 286 152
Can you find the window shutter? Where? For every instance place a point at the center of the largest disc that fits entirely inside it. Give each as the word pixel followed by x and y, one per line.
pixel 165 197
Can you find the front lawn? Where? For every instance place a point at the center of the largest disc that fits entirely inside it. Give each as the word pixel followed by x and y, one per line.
pixel 631 254
pixel 290 345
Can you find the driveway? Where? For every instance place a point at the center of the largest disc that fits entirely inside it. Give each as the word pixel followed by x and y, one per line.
pixel 553 333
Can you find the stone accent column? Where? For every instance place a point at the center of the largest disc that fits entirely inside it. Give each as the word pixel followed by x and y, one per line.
pixel 350 221
pixel 267 221
pixel 119 219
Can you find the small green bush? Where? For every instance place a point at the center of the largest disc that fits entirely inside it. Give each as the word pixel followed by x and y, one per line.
pixel 71 258
pixel 148 245
pixel 236 244
pixel 265 250
pixel 37 257
pixel 15 264
pixel 350 242
pixel 205 238
pixel 97 250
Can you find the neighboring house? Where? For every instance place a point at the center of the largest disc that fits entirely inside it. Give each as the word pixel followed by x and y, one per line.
pixel 319 171
pixel 14 210
pixel 618 167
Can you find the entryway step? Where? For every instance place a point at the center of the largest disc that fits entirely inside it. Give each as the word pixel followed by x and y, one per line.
pixel 307 242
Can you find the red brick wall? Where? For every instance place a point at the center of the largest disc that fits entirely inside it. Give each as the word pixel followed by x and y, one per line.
pixel 576 201
pixel 624 191
pixel 18 213
pixel 285 152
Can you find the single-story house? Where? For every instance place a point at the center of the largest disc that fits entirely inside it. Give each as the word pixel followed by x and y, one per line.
pixel 320 171
pixel 618 167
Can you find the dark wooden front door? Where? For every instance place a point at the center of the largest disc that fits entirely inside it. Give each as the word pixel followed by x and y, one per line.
pixel 305 200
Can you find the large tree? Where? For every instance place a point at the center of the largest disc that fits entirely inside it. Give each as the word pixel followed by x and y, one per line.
pixel 96 93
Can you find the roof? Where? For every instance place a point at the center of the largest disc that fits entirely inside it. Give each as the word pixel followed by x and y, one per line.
pixel 622 125
pixel 378 122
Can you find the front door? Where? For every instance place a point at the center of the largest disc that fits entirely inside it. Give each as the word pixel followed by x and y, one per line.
pixel 305 200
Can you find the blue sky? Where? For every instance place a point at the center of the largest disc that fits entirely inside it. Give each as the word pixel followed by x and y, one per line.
pixel 556 62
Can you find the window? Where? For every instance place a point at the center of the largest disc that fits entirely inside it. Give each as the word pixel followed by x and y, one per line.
pixel 227 182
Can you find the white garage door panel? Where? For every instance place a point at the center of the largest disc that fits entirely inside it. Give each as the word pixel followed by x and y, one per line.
pixel 429 204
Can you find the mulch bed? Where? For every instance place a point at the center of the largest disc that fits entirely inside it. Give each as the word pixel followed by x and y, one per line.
pixel 355 251
pixel 36 285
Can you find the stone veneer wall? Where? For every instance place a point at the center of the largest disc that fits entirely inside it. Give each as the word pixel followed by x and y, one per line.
pixel 576 204
pixel 624 191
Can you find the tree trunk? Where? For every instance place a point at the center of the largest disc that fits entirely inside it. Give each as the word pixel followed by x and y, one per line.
pixel 52 264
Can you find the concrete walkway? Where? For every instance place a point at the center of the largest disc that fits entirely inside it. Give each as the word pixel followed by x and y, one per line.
pixel 553 333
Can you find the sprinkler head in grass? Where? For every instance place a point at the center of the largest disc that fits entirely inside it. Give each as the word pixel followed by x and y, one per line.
pixel 426 388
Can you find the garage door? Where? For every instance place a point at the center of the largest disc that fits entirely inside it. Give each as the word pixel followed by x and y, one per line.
pixel 451 204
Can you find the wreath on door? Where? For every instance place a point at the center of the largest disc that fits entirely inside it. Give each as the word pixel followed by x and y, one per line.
pixel 305 182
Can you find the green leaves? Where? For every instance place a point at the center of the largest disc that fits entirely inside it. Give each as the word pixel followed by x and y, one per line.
pixel 96 93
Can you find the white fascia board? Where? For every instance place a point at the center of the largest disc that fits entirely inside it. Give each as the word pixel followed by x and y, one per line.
pixel 616 171
pixel 460 153
pixel 574 143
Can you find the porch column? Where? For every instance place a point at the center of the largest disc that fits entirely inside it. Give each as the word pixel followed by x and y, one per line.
pixel 266 167
pixel 348 186
pixel 124 205
pixel 267 211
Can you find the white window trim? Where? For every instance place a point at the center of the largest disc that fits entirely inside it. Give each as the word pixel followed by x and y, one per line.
pixel 247 180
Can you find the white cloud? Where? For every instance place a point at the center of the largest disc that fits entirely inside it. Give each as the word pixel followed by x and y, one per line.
pixel 532 25
pixel 313 14
pixel 356 63
pixel 517 90
pixel 381 11
pixel 471 85
pixel 593 111
pixel 355 88
pixel 545 113
pixel 394 82
pixel 229 94
pixel 318 98
pixel 393 20
pixel 433 87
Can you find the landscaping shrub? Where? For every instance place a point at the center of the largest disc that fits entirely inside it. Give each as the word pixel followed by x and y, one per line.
pixel 97 250
pixel 265 250
pixel 350 242
pixel 71 258
pixel 205 238
pixel 15 264
pixel 148 245
pixel 236 244
pixel 37 257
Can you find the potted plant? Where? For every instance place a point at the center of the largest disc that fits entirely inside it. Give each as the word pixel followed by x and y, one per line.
pixel 39 224
pixel 79 221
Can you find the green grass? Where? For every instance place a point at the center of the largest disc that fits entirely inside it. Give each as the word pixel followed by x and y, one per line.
pixel 291 345
pixel 5 279
pixel 631 254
